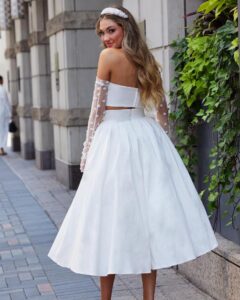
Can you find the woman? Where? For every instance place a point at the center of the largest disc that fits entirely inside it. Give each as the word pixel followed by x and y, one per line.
pixel 5 115
pixel 136 209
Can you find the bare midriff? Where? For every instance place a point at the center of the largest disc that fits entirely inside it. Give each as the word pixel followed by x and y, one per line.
pixel 117 107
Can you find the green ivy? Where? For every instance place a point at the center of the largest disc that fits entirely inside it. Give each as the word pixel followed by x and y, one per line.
pixel 206 89
pixel 218 6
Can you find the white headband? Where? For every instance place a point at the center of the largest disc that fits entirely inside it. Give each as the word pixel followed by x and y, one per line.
pixel 114 11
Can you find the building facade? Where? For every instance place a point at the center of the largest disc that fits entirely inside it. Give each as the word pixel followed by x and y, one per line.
pixel 48 56
pixel 51 57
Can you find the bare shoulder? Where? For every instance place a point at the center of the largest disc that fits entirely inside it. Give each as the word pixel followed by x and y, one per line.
pixel 109 58
pixel 111 55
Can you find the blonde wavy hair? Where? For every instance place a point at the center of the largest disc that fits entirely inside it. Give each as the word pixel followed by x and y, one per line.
pixel 148 69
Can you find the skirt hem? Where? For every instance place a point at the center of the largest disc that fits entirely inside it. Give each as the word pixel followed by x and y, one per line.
pixel 136 272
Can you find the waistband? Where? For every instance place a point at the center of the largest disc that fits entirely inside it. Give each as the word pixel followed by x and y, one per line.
pixel 123 114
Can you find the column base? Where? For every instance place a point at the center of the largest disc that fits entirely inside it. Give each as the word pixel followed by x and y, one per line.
pixel 216 273
pixel 45 160
pixel 15 141
pixel 27 150
pixel 69 175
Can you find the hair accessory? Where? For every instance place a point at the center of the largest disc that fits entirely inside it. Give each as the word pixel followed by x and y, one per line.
pixel 114 11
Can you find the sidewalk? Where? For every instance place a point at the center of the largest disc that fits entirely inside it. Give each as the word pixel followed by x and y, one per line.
pixel 32 206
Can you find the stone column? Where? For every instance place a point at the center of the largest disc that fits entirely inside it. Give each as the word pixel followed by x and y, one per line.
pixel 74 50
pixel 25 90
pixel 163 21
pixel 12 78
pixel 41 84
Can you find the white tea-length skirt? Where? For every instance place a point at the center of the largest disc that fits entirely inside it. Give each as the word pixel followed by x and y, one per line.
pixel 136 208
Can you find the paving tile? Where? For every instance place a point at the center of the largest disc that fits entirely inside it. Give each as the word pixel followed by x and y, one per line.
pixel 25 276
pixel 23 269
pixel 28 249
pixel 32 260
pixel 12 281
pixel 7 226
pixel 38 273
pixel 3 283
pixel 20 263
pixel 19 230
pixel 17 252
pixel 9 233
pixel 5 255
pixel 46 297
pixel 31 292
pixel 13 241
pixel 75 295
pixel 122 295
pixel 20 295
pixel 183 292
pixel 5 297
pixel 8 266
pixel 132 281
pixel 24 241
pixel 45 288
pixel 138 294
pixel 171 279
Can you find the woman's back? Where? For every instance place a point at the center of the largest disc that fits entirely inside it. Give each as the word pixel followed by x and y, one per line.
pixel 121 70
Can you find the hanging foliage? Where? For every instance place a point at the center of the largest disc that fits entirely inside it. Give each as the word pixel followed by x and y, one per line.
pixel 206 89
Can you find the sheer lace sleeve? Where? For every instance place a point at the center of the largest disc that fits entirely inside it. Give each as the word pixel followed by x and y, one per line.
pixel 95 117
pixel 162 115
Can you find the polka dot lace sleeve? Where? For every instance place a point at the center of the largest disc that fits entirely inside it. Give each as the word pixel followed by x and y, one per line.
pixel 162 115
pixel 95 117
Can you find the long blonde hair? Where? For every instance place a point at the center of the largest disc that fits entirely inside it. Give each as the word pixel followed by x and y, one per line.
pixel 148 70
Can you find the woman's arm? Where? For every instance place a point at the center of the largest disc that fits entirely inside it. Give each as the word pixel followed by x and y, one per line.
pixel 98 104
pixel 162 115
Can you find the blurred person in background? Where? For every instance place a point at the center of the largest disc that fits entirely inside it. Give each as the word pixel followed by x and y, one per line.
pixel 5 115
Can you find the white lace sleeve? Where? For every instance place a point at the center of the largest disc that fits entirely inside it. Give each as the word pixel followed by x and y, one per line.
pixel 95 117
pixel 162 115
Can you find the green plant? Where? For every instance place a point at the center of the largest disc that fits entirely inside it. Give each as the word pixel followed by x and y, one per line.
pixel 212 15
pixel 215 13
pixel 218 6
pixel 206 89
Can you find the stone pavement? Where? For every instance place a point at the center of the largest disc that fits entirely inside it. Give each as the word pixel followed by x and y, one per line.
pixel 32 206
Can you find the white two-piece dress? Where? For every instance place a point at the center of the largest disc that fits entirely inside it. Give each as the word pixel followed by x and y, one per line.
pixel 136 208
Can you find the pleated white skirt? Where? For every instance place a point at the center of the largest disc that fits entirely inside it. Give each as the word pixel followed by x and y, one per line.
pixel 136 208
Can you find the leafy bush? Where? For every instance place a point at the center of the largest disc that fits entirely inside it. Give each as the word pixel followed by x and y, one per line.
pixel 206 89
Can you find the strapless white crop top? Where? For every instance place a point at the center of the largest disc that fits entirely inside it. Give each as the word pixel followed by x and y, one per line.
pixel 113 94
pixel 122 95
